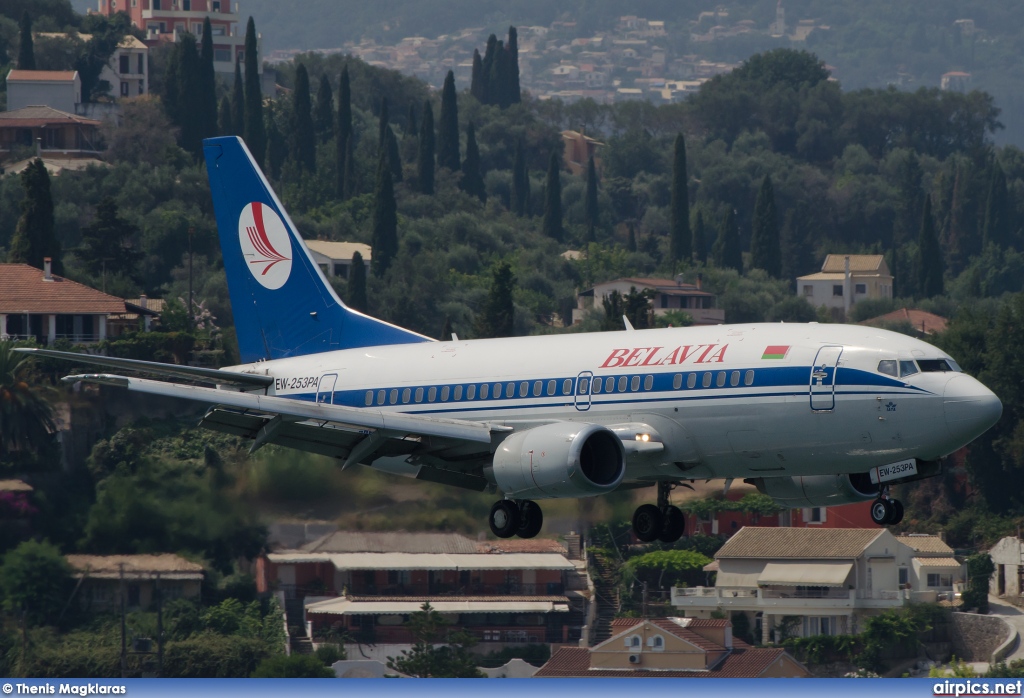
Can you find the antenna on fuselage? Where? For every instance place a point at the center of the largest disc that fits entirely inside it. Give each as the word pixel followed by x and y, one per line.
pixel 627 323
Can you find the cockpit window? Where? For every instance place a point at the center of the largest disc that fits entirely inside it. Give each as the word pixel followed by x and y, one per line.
pixel 933 365
pixel 954 365
pixel 888 367
pixel 908 368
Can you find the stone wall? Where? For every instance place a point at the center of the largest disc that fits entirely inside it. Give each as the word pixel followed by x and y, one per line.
pixel 976 637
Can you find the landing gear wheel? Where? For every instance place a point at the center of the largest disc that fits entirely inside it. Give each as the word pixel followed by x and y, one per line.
pixel 673 525
pixel 881 511
pixel 897 512
pixel 504 518
pixel 531 518
pixel 647 522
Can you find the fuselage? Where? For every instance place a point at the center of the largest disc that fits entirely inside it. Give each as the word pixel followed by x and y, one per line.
pixel 729 401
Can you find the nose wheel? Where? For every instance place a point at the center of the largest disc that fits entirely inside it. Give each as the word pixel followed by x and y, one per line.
pixel 662 522
pixel 522 518
pixel 886 511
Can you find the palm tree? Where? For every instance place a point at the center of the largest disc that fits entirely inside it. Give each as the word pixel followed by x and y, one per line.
pixel 26 419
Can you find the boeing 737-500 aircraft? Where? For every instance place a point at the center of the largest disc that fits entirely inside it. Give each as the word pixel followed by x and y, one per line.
pixel 812 415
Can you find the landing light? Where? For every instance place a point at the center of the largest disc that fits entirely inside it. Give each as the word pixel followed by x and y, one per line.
pixel 643 437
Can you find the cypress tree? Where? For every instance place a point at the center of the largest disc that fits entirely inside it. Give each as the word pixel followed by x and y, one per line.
pixel 425 152
pixel 191 110
pixel 277 147
pixel 207 85
pixel 513 87
pixel 357 284
pixel 476 85
pixel 26 52
pixel 700 240
pixel 996 227
pixel 726 251
pixel 448 127
pixel 590 210
pixel 486 68
pixel 930 264
pixel 238 102
pixel 498 83
pixel 108 243
pixel 498 317
pixel 631 240
pixel 797 246
pixel 765 249
pixel 410 120
pixel 34 236
pixel 552 225
pixel 342 159
pixel 520 182
pixel 351 185
pixel 385 220
pixel 472 178
pixel 255 132
pixel 224 120
pixel 304 146
pixel 394 157
pixel 911 196
pixel 680 247
pixel 324 118
pixel 382 122
pixel 170 94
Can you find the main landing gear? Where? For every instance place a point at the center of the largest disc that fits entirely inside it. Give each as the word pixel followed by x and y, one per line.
pixel 886 511
pixel 662 522
pixel 516 517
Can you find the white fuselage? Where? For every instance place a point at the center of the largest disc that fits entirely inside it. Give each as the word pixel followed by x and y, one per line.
pixel 727 401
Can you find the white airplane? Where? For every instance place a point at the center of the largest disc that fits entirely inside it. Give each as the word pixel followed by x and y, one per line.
pixel 812 415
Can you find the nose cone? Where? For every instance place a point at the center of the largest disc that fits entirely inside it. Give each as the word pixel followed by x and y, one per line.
pixel 971 408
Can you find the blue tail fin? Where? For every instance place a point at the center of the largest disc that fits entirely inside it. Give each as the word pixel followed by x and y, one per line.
pixel 283 305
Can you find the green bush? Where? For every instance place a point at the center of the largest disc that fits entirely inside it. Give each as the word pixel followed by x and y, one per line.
pixel 330 653
pixel 296 666
pixel 209 655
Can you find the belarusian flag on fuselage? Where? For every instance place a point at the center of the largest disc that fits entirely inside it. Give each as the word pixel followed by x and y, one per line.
pixel 775 352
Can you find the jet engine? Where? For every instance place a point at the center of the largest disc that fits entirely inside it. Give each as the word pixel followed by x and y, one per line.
pixel 564 459
pixel 816 490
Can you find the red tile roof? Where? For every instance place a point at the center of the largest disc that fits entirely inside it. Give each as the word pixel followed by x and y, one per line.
pixel 739 664
pixel 921 320
pixel 41 75
pixel 39 116
pixel 24 290
pixel 533 545
pixel 670 626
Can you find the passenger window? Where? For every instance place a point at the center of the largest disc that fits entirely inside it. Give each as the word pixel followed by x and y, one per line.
pixel 551 386
pixel 524 389
pixel 648 382
pixel 406 394
pixel 484 389
pixel 444 394
pixel 677 381
pixel 622 384
pixel 734 378
pixel 634 383
pixel 888 367
pixel 458 392
pixel 536 388
pixel 393 397
pixel 583 386
pixel 380 397
pixel 510 390
pixel 720 381
pixel 691 380
pixel 597 386
pixel 748 378
pixel 908 368
pixel 705 381
pixel 497 391
pixel 369 397
pixel 471 392
pixel 567 386
pixel 432 394
pixel 419 394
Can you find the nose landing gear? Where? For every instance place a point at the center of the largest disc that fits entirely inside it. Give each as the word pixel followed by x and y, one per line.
pixel 522 518
pixel 662 522
pixel 886 511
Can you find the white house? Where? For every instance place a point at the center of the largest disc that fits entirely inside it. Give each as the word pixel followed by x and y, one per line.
pixel 1008 557
pixel 668 294
pixel 58 89
pixel 845 280
pixel 335 258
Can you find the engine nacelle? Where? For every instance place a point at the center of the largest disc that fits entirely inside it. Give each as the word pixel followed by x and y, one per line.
pixel 817 490
pixel 564 459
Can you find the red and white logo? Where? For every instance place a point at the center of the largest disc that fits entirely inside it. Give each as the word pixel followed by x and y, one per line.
pixel 265 245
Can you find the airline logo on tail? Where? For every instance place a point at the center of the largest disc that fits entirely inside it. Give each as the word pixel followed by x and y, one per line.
pixel 266 246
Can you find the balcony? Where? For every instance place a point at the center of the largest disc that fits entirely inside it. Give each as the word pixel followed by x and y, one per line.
pixel 789 597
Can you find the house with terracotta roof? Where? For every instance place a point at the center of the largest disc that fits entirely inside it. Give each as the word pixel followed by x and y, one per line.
pixel 50 131
pixel 335 258
pixel 668 294
pixel 822 581
pixel 106 579
pixel 923 323
pixel 845 279
pixel 672 648
pixel 38 304
pixel 57 89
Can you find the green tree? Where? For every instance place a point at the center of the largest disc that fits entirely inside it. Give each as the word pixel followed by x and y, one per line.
pixel 425 660
pixel 680 237
pixel 476 82
pixel 383 119
pixel 979 571
pixel 472 181
pixel 225 122
pixel 726 252
pixel 997 227
pixel 26 54
pixel 342 156
pixel 26 418
pixel 700 242
pixel 109 243
pixel 425 152
pixel 513 89
pixel 357 284
pixel 665 567
pixel 765 249
pixel 277 147
pixel 207 85
pixel 189 112
pixel 498 316
pixel 393 156
pixel 304 146
pixel 929 260
pixel 296 666
pixel 324 110
pixel 520 182
pixel 35 579
pixel 797 248
pixel 591 214
pixel 910 200
pixel 255 130
pixel 448 127
pixel 34 236
pixel 385 220
pixel 552 225
pixel 95 55
pixel 238 102
pixel 487 71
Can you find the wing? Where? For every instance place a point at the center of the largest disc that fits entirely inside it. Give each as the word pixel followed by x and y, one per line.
pixel 448 451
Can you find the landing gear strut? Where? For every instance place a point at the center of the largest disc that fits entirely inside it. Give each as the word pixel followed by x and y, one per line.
pixel 522 517
pixel 662 522
pixel 886 511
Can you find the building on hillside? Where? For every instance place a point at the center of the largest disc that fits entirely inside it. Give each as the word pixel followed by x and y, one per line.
pixel 50 131
pixel 667 294
pixel 1008 579
pixel 141 313
pixel 822 581
pixel 37 304
pixel 164 20
pixel 104 578
pixel 672 648
pixel 579 148
pixel 955 81
pixel 127 71
pixel 846 279
pixel 57 89
pixel 335 258
pixel 728 517
pixel 922 322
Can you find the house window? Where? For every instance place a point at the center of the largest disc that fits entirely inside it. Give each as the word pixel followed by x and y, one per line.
pixel 186 5
pixel 808 290
pixel 141 70
pixel 634 642
pixel 124 89
pixel 156 6
pixel 664 301
pixel 837 290
pixel 341 270
pixel 904 576
pixel 860 289
pixel 221 55
pixel 216 5
pixel 657 643
pixel 125 64
pixel 814 515
pixel 940 580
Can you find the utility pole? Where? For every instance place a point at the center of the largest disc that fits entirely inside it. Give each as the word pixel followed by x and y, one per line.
pixel 191 313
